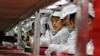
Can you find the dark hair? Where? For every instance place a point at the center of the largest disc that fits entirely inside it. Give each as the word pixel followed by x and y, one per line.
pixel 22 37
pixel 2 37
pixel 2 33
pixel 30 31
pixel 91 17
pixel 15 34
pixel 10 39
pixel 55 16
pixel 47 26
pixel 72 17
pixel 71 0
pixel 27 39
pixel 33 25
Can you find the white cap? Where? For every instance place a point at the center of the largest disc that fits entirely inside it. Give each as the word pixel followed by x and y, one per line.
pixel 91 11
pixel 70 9
pixel 56 13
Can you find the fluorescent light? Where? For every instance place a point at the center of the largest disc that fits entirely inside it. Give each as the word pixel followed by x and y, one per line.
pixel 52 7
pixel 22 23
pixel 16 27
pixel 61 2
pixel 55 5
pixel 32 16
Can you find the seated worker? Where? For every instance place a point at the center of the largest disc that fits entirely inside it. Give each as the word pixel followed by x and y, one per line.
pixel 70 45
pixel 90 46
pixel 28 42
pixel 68 14
pixel 43 24
pixel 31 36
pixel 61 35
pixel 45 30
pixel 23 43
pixel 9 41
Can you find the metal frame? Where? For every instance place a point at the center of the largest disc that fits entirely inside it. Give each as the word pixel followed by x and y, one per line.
pixel 37 31
pixel 19 35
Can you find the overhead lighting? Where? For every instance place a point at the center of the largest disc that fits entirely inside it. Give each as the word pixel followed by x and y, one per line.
pixel 32 16
pixel 55 5
pixel 22 23
pixel 16 27
pixel 51 7
pixel 62 2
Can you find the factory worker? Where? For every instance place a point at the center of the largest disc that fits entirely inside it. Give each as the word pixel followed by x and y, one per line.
pixel 43 23
pixel 31 36
pixel 90 47
pixel 68 14
pixel 49 32
pixel 70 46
pixel 62 33
pixel 45 27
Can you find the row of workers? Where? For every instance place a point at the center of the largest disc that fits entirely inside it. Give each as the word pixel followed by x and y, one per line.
pixel 63 22
pixel 64 39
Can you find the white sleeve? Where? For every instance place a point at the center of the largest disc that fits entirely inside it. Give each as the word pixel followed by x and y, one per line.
pixel 61 37
pixel 48 33
pixel 66 49
pixel 44 40
pixel 62 49
pixel 71 43
pixel 52 48
pixel 90 48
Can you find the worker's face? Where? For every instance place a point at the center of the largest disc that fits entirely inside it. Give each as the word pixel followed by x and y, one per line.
pixel 31 32
pixel 72 24
pixel 66 21
pixel 57 23
pixel 89 23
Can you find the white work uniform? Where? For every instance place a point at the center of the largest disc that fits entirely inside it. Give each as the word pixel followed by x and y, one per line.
pixel 90 48
pixel 60 37
pixel 5 43
pixel 48 33
pixel 69 47
pixel 43 21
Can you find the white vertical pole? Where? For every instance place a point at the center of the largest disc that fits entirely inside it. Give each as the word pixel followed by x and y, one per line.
pixel 37 35
pixel 82 27
pixel 19 35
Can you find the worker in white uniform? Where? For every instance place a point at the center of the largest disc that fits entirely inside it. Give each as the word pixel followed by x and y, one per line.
pixel 43 23
pixel 61 35
pixel 90 47
pixel 66 15
pixel 70 46
pixel 45 27
pixel 31 36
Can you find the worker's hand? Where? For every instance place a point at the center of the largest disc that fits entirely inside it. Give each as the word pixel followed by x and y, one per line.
pixel 52 48
pixel 62 50
pixel 44 44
